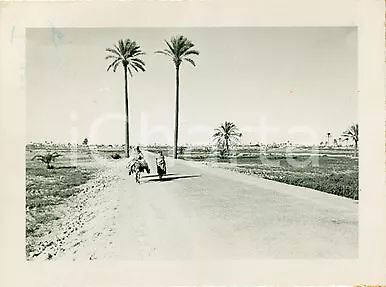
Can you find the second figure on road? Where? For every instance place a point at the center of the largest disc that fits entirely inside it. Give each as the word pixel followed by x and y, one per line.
pixel 161 165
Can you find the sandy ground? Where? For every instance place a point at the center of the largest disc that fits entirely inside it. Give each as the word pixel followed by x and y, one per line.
pixel 200 213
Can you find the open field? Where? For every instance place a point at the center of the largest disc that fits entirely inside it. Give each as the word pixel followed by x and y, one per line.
pixel 329 170
pixel 48 190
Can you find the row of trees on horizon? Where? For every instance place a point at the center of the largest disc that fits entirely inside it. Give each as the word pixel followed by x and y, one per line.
pixel 273 144
pixel 227 135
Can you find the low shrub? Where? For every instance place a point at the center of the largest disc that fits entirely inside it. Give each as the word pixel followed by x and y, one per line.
pixel 116 156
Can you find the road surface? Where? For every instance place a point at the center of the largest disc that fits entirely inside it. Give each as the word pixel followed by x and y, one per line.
pixel 201 213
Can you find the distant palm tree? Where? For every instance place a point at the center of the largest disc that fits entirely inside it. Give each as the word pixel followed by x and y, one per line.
pixel 352 133
pixel 126 53
pixel 226 134
pixel 328 138
pixel 178 49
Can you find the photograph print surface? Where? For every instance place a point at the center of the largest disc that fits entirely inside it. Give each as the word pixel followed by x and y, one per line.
pixel 192 143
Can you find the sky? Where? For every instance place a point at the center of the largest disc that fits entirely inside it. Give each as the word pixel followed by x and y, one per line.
pixel 276 84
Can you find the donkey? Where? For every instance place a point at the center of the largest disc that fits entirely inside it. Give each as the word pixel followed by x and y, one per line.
pixel 137 167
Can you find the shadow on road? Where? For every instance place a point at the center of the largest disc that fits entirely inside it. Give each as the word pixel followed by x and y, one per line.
pixel 156 175
pixel 170 178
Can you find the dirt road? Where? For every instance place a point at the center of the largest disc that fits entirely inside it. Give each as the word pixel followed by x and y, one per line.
pixel 200 212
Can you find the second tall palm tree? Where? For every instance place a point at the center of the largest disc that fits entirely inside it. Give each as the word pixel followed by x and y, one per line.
pixel 126 54
pixel 179 48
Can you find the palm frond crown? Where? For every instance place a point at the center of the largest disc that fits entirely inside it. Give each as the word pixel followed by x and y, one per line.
pixel 179 49
pixel 352 133
pixel 226 133
pixel 127 54
pixel 47 158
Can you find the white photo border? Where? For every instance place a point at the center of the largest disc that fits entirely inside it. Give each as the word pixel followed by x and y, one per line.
pixel 368 16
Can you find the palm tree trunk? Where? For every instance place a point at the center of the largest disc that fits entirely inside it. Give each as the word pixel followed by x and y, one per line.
pixel 176 113
pixel 127 114
pixel 356 148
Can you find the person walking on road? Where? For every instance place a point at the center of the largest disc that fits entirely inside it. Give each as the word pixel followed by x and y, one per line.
pixel 135 156
pixel 161 165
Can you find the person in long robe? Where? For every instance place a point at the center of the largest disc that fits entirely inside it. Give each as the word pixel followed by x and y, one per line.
pixel 135 156
pixel 161 165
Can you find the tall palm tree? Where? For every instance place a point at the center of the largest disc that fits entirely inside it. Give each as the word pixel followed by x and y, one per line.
pixel 179 48
pixel 126 53
pixel 226 134
pixel 352 133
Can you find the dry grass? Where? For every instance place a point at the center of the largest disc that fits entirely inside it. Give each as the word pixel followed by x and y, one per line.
pixel 47 189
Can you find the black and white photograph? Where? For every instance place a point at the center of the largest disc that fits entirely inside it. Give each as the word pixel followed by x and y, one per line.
pixel 192 143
